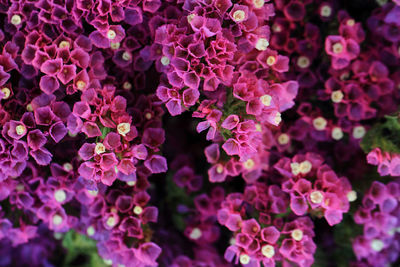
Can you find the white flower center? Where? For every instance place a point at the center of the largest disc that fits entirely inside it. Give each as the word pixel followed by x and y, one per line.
pixel 123 128
pixel 337 96
pixel 239 15
pixel 352 196
pixel 126 56
pixel 377 245
pixel 80 85
pixel 266 100
pixel 326 11
pixel 271 60
pixel 337 133
pixel 283 139
pixel 262 44
pixel 137 210
pixel 111 34
pixel 305 167
pixel 195 234
pixel 316 197
pixel 60 195
pixel 359 132
pixel 99 148
pixel 244 259
pixel 249 164
pixel 64 44
pixel 165 61
pixel 115 46
pixel 57 219
pixel 268 251
pixel 297 234
pixel 90 231
pixel 303 62
pixel 16 20
pixel 258 3
pixel 20 129
pixel 337 48
pixel 319 123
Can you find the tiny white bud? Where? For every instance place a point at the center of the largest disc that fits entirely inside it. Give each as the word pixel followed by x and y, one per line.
pixel 303 62
pixel 258 3
pixel 80 85
pixel 326 11
pixel 99 148
pixel 127 85
pixel 271 60
pixel 64 44
pixel 115 46
pixel 278 118
pixel 131 183
pixel 20 129
pixel 68 167
pixel 337 48
pixel 295 166
pixel 111 222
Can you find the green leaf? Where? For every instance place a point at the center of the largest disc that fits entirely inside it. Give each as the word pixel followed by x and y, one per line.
pixel 385 136
pixel 81 251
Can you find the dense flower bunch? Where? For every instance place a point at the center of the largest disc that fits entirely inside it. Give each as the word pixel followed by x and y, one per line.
pixel 199 132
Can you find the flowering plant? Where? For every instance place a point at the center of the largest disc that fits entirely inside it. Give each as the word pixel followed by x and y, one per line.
pixel 199 133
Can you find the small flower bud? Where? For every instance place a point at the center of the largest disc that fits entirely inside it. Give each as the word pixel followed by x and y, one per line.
pixel 350 22
pixel 68 167
pixel 111 222
pixel 190 17
pixel 127 86
pixel 131 183
pixel 278 118
pixel 220 168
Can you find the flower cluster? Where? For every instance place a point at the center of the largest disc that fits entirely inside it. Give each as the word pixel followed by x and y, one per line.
pixel 379 215
pixel 283 99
